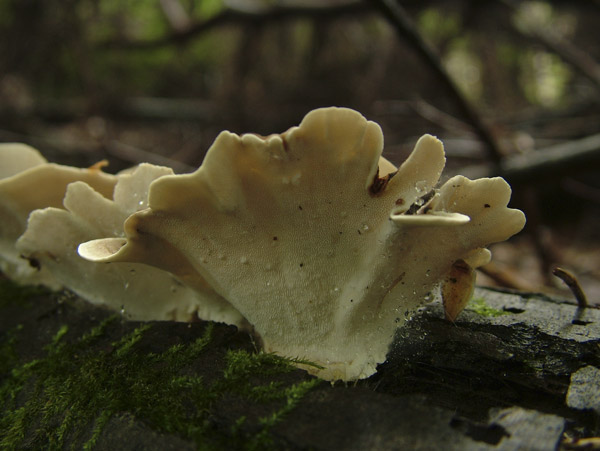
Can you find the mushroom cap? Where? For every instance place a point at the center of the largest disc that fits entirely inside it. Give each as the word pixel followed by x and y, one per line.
pixel 320 243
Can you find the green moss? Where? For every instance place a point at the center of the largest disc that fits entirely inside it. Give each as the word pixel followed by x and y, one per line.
pixel 8 356
pixel 242 368
pixel 292 396
pixel 479 306
pixel 65 399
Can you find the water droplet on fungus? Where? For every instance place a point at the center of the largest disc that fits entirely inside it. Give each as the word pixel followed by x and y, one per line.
pixel 421 186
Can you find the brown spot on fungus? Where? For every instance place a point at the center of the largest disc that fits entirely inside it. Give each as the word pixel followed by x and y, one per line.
pixel 284 143
pixel 34 263
pixel 379 183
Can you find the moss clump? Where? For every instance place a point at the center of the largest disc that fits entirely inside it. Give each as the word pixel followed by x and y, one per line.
pixel 239 378
pixel 479 306
pixel 65 399
pixel 8 356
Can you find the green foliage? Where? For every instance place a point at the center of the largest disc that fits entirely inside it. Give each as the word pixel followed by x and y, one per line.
pixel 465 67
pixel 545 78
pixel 208 8
pixel 8 356
pixel 67 397
pixel 238 377
pixel 479 306
pixel 109 18
pixel 438 25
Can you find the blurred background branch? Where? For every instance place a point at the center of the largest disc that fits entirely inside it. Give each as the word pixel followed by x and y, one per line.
pixel 240 14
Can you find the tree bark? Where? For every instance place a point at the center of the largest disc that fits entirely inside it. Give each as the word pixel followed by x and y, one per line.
pixel 515 371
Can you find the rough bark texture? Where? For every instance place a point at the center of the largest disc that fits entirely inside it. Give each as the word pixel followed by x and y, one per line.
pixel 516 371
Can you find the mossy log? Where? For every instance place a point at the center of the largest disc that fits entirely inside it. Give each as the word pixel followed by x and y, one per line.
pixel 514 371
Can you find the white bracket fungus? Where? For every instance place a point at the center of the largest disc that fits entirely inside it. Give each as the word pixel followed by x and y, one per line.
pixel 316 240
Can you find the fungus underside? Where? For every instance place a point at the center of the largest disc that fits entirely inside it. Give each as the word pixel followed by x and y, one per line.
pixel 65 398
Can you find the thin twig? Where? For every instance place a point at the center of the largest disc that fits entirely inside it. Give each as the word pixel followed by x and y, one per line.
pixel 581 444
pixel 551 162
pixel 408 31
pixel 136 155
pixel 571 281
pixel 506 277
pixel 425 110
pixel 581 189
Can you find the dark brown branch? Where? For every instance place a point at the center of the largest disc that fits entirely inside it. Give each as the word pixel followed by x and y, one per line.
pixel 234 16
pixel 506 277
pixel 137 108
pixel 391 11
pixel 554 161
pixel 425 110
pixel 117 152
pixel 408 31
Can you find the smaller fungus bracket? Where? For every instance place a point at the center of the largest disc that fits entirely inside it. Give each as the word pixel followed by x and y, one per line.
pixel 45 185
pixel 17 157
pixel 485 201
pixel 141 292
pixel 30 183
pixel 455 226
